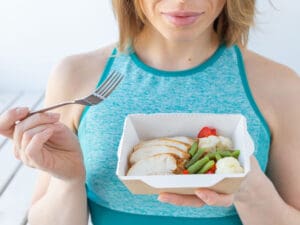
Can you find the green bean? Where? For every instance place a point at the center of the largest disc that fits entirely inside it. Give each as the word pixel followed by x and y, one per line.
pixel 193 148
pixel 197 165
pixel 218 156
pixel 197 156
pixel 225 153
pixel 235 154
pixel 211 155
pixel 207 167
pixel 214 155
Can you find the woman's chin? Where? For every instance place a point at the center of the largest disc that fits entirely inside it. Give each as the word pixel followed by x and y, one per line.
pixel 180 37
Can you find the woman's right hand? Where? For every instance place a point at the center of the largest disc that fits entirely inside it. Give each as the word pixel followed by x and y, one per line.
pixel 42 142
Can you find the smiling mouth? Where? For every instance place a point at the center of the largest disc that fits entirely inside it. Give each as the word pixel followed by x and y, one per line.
pixel 182 18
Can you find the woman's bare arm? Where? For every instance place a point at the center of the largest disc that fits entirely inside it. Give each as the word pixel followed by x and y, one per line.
pixel 276 89
pixel 57 201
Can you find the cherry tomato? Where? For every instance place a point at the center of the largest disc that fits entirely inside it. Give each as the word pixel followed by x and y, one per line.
pixel 185 172
pixel 207 131
pixel 212 170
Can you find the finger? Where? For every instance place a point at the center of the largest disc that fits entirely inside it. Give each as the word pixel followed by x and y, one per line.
pixel 9 118
pixel 23 158
pixel 254 163
pixel 26 138
pixel 34 149
pixel 28 134
pixel 213 198
pixel 181 200
pixel 33 121
pixel 16 153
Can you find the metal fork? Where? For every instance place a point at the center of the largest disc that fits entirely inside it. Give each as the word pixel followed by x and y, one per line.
pixel 102 92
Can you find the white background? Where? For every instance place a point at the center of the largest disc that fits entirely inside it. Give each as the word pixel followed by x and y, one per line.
pixel 35 35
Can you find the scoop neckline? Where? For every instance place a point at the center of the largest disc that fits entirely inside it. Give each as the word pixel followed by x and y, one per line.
pixel 186 72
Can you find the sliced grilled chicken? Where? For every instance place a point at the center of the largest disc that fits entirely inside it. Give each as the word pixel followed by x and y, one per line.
pixel 162 164
pixel 163 141
pixel 148 151
pixel 184 139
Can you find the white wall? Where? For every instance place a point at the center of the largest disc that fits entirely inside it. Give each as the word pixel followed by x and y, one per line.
pixel 277 31
pixel 35 35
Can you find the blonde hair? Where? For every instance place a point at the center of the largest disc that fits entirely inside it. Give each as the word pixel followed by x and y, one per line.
pixel 232 25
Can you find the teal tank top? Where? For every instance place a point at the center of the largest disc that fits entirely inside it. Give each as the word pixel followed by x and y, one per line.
pixel 219 85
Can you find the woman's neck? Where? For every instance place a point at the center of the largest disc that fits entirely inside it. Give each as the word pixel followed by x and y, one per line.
pixel 158 52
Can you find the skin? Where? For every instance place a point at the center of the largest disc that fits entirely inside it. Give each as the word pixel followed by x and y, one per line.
pixel 262 199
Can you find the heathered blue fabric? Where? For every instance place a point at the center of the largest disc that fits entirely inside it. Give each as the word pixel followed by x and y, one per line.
pixel 219 85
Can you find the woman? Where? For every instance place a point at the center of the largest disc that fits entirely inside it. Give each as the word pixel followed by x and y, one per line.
pixel 185 55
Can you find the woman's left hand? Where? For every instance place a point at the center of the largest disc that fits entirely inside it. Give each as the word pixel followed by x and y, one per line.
pixel 205 196
pixel 201 197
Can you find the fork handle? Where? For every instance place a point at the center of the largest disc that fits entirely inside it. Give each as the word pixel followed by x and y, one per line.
pixel 51 107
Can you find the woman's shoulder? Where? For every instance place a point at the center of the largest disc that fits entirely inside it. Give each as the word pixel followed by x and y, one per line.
pixel 275 86
pixel 258 64
pixel 76 76
pixel 71 71
pixel 270 75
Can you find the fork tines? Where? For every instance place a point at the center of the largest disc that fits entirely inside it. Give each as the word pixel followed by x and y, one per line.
pixel 109 85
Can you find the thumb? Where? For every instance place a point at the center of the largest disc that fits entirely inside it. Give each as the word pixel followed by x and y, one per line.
pixel 9 118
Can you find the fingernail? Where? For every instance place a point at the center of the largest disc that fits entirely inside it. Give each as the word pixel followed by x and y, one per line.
pixel 162 199
pixel 21 110
pixel 201 195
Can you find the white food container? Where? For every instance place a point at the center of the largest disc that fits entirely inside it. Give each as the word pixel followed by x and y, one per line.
pixel 139 127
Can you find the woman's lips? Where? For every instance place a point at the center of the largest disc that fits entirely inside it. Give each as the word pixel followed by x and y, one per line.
pixel 182 18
